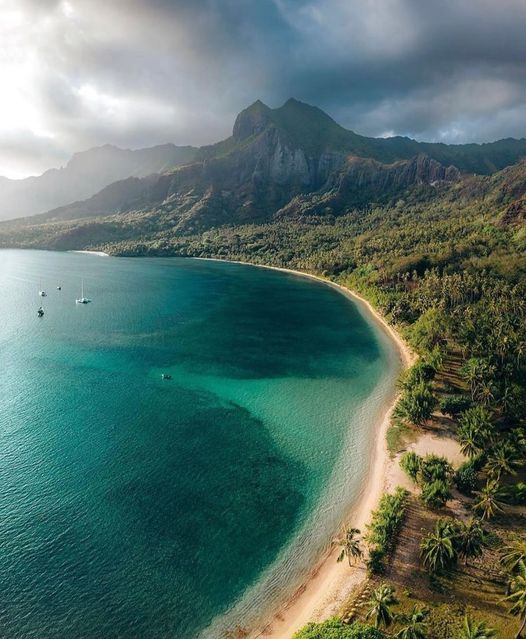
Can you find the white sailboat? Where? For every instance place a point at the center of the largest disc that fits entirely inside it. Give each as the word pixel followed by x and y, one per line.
pixel 82 299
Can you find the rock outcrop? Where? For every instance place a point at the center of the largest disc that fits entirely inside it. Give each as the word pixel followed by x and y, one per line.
pixel 263 173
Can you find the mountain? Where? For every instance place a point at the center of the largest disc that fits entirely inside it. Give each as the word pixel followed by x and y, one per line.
pixel 309 128
pixel 278 163
pixel 84 175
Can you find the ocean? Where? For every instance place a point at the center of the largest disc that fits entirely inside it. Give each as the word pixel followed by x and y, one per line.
pixel 136 506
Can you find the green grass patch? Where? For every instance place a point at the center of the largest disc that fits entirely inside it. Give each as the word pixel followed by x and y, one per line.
pixel 398 436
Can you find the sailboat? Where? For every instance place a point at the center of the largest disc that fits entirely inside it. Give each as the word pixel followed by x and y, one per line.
pixel 82 299
pixel 41 291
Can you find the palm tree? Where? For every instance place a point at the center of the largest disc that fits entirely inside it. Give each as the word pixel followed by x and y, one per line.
pixel 508 397
pixel 471 373
pixel 476 630
pixel 518 440
pixel 477 372
pixel 469 440
pixel 474 431
pixel 382 600
pixel 487 503
pixel 411 464
pixel 486 394
pixel 503 459
pixel 520 349
pixel 414 625
pixel 350 546
pixel 518 597
pixel 438 549
pixel 436 494
pixel 470 539
pixel 416 404
pixel 514 554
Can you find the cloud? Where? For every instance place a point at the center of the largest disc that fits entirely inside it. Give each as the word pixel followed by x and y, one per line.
pixel 78 73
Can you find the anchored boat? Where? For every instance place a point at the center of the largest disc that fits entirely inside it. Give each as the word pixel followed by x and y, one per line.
pixel 82 299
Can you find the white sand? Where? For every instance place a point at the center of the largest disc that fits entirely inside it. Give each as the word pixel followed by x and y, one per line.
pixel 99 253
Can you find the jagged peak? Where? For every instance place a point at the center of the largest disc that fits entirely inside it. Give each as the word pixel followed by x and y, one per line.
pixel 303 109
pixel 251 120
pixel 258 105
pixel 293 102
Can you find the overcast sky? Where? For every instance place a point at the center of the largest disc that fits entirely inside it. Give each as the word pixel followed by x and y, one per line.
pixel 80 73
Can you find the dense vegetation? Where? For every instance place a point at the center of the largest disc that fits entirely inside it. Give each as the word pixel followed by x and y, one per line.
pixel 433 474
pixel 385 524
pixel 336 629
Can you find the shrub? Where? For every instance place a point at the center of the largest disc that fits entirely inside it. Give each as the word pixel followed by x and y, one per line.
pixel 435 358
pixel 375 562
pixel 411 464
pixel 385 525
pixel 453 405
pixel 515 494
pixel 436 493
pixel 466 478
pixel 435 468
pixel 422 371
pixel 416 404
pixel 336 629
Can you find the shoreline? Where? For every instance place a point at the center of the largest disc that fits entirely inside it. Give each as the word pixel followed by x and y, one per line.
pixel 328 583
pixel 407 356
pixel 99 253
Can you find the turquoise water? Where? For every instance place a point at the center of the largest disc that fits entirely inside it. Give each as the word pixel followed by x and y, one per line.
pixel 136 507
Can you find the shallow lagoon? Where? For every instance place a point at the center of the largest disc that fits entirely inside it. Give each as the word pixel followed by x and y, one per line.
pixel 136 507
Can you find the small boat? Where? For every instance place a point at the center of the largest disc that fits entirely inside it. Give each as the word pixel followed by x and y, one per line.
pixel 40 312
pixel 166 376
pixel 82 299
pixel 41 291
pixel 59 288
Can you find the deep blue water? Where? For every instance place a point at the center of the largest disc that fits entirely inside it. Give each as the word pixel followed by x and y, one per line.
pixel 136 507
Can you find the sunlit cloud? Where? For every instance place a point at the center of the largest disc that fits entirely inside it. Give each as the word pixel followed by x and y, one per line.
pixel 80 73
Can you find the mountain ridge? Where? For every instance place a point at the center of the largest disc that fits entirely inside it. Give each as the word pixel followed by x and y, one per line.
pixel 85 174
pixel 290 161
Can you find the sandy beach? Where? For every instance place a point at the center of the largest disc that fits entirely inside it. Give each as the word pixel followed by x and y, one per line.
pixel 329 583
pixel 99 253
